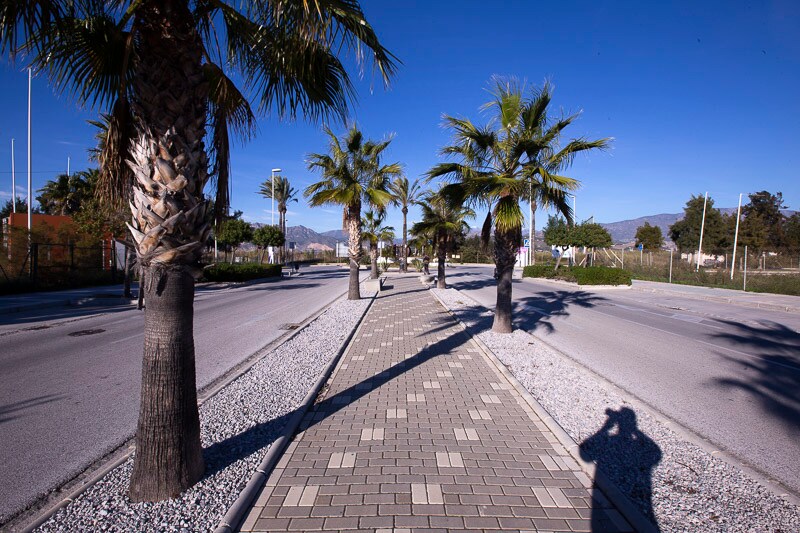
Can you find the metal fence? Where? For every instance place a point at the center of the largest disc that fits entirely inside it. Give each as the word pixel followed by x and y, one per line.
pixel 48 265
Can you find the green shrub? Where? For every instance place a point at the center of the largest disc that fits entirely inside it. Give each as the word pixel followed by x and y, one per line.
pixel 240 272
pixel 599 275
pixel 539 271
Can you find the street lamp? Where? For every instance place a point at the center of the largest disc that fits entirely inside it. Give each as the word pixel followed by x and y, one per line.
pixel 574 208
pixel 272 182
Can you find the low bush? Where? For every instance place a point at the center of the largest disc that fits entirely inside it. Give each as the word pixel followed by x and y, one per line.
pixel 599 275
pixel 240 272
pixel 581 275
pixel 539 271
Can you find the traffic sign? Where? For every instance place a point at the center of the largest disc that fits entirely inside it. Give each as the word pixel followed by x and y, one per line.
pixel 526 242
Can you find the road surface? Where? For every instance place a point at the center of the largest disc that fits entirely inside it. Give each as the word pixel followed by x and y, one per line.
pixel 731 374
pixel 70 379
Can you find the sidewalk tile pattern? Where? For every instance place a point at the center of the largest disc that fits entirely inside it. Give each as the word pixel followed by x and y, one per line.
pixel 388 448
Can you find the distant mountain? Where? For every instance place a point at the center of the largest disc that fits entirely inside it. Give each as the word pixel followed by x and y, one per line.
pixel 623 231
pixel 307 239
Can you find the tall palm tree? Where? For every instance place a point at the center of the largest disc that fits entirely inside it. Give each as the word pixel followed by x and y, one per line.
pixel 501 162
pixel 159 67
pixel 283 193
pixel 374 233
pixel 443 220
pixel 405 194
pixel 352 174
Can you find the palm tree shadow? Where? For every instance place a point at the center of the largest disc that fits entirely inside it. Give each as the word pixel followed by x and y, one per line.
pixel 774 371
pixel 222 454
pixel 537 311
pixel 627 456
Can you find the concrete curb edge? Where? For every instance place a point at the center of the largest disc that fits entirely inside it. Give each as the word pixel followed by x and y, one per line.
pixel 204 394
pixel 237 512
pixel 612 492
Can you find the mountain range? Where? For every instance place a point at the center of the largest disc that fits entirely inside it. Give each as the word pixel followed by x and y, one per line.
pixel 623 231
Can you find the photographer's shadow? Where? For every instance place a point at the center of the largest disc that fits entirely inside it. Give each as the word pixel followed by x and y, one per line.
pixel 627 457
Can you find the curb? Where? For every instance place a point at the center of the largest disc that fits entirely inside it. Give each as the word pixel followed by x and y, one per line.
pixel 203 395
pixel 238 511
pixel 582 287
pixel 626 508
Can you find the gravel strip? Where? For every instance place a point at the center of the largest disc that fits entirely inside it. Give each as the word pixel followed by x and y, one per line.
pixel 675 482
pixel 238 425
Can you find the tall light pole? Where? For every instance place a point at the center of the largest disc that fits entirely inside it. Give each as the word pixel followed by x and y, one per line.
pixel 574 209
pixel 30 211
pixel 702 226
pixel 272 184
pixel 736 236
pixel 13 181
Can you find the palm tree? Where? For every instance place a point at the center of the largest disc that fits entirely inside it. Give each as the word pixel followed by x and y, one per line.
pixel 374 233
pixel 352 174
pixel 443 220
pixel 159 67
pixel 502 162
pixel 284 193
pixel 66 194
pixel 405 194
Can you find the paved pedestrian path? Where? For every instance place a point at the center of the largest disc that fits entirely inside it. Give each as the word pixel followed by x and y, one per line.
pixel 417 431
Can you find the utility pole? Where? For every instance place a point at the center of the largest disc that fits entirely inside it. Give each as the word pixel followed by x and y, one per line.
pixel 736 236
pixel 702 226
pixel 13 181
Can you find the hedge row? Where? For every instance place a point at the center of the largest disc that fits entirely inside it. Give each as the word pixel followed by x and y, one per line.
pixel 597 275
pixel 240 272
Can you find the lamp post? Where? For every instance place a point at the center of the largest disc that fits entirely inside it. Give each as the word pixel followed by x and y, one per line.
pixel 272 183
pixel 13 181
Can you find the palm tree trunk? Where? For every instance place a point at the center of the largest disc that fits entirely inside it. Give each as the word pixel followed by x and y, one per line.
pixel 169 227
pixel 404 261
pixel 441 255
pixel 505 246
pixel 169 457
pixel 373 256
pixel 353 220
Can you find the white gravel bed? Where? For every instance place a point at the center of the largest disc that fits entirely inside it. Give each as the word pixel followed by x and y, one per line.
pixel 690 489
pixel 238 425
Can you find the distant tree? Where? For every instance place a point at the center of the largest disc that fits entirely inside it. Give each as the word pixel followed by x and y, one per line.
pixel 22 207
pixel 591 235
pixel 792 233
pixel 266 236
pixel 686 232
pixel 444 220
pixel 650 237
pixel 233 233
pixel 560 234
pixel 352 174
pixel 66 194
pixel 762 227
pixel 404 194
pixel 374 233
pixel 283 194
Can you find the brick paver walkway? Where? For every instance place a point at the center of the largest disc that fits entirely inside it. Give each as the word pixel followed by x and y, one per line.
pixel 417 431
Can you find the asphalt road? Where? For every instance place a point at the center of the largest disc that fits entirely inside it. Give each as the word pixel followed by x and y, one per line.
pixel 731 374
pixel 70 379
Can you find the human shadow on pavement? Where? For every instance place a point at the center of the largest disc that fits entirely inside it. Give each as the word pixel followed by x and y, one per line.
pixel 222 454
pixel 627 457
pixel 773 373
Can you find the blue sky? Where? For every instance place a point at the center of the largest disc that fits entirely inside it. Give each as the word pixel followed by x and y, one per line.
pixel 699 96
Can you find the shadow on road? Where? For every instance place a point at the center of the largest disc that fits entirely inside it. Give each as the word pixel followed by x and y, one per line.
pixel 532 312
pixel 15 407
pixel 774 371
pixel 627 456
pixel 224 453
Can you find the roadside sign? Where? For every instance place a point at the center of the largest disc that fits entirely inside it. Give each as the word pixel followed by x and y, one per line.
pixel 526 242
pixel 523 250
pixel 292 245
